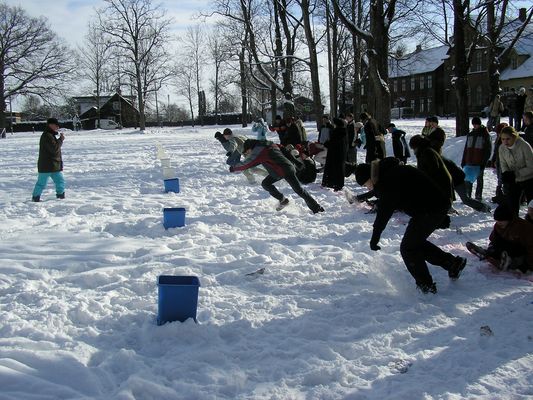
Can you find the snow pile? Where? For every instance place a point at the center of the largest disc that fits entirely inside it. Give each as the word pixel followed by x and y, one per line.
pixel 328 319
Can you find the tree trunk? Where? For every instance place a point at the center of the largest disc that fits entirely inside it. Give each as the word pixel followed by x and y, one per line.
pixel 2 99
pixel 357 11
pixel 461 70
pixel 313 63
pixel 140 99
pixel 244 92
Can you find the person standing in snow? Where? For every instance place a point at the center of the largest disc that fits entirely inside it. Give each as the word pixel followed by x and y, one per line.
pixel 426 130
pixel 260 128
pixel 520 104
pixel 234 149
pixel 325 130
pixel 511 107
pixel 279 167
pixel 495 163
pixel 351 150
pixel 495 111
pixel 292 136
pixel 476 155
pixel 406 188
pixel 50 162
pixel 527 128
pixel 303 133
pixel 528 105
pixel 280 128
pixel 399 144
pixel 516 161
pixel 436 135
pixel 375 140
pixel 334 168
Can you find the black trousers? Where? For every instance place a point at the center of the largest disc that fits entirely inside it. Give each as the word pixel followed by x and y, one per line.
pixel 292 180
pixel 416 249
pixel 513 193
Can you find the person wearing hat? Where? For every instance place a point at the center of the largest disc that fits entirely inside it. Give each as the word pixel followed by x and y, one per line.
pixel 399 144
pixel 406 188
pixel 511 241
pixel 50 162
pixel 516 162
pixel 278 167
pixel 476 155
pixel 436 134
pixel 233 144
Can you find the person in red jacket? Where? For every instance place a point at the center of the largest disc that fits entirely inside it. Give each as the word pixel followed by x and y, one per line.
pixel 278 167
pixel 476 155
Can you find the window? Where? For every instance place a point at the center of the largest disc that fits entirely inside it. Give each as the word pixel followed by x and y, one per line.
pixel 362 90
pixel 404 84
pixel 429 105
pixel 514 63
pixel 479 61
pixel 413 105
pixel 422 103
pixel 412 83
pixel 422 79
pixel 395 85
pixel 430 81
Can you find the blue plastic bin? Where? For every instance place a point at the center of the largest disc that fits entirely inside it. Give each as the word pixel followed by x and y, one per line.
pixel 177 298
pixel 172 185
pixel 173 217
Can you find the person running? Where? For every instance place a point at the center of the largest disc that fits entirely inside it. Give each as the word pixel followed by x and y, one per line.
pixel 278 167
pixel 408 189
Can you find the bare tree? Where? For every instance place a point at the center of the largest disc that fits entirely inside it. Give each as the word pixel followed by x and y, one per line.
pixel 184 81
pixel 141 31
pixel 32 58
pixel 94 57
pixel 218 55
pixel 194 47
pixel 377 44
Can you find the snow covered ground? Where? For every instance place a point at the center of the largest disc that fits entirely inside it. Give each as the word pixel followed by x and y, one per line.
pixel 329 318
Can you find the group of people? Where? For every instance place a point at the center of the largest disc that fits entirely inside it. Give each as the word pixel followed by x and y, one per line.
pixel 424 192
pixel 515 103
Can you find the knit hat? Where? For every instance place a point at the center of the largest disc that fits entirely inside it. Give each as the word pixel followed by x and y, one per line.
pixel 362 173
pixel 476 121
pixel 502 213
pixel 52 121
pixel 227 131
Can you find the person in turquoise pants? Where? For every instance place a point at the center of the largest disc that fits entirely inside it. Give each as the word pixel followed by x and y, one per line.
pixel 50 162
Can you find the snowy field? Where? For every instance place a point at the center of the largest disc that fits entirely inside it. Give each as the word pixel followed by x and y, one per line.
pixel 329 318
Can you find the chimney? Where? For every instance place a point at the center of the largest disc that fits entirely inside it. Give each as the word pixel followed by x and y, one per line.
pixel 522 14
pixel 419 47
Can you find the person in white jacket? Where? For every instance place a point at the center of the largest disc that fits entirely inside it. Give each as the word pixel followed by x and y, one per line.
pixel 516 162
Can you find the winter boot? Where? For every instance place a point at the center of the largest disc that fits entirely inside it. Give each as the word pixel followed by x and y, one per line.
pixel 458 264
pixel 468 186
pixel 36 199
pixel 505 261
pixel 282 204
pixel 427 287
pixel 318 209
pixel 60 195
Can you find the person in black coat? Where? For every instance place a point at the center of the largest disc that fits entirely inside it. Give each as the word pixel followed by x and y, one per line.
pixel 406 188
pixel 335 160
pixel 50 163
pixel 399 144
pixel 436 135
pixel 293 135
pixel 278 167
pixel 527 128
pixel 375 143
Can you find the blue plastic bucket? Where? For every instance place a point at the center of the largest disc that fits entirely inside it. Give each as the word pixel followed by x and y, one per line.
pixel 172 185
pixel 471 172
pixel 173 217
pixel 177 298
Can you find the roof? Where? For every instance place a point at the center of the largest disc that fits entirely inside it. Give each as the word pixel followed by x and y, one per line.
pixel 524 46
pixel 419 62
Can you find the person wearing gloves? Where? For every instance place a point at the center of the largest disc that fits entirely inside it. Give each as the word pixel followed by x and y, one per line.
pixel 234 149
pixel 516 163
pixel 406 188
pixel 50 162
pixel 279 167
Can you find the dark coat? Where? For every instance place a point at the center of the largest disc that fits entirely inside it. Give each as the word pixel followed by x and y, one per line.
pixel 375 148
pixel 405 188
pixel 520 103
pixel 399 145
pixel 334 168
pixel 293 135
pixel 50 159
pixel 528 134
pixel 436 139
pixel 518 232
pixel 477 147
pixel 457 174
pixel 431 163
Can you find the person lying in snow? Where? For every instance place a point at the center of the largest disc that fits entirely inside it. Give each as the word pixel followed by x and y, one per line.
pixel 511 241
pixel 278 167
pixel 234 148
pixel 406 188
